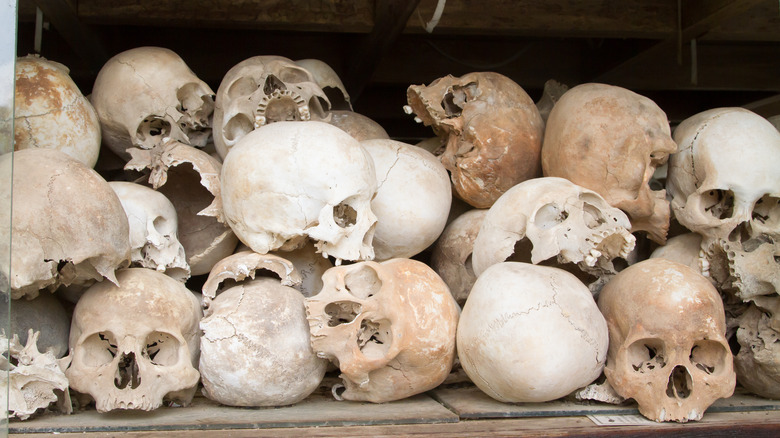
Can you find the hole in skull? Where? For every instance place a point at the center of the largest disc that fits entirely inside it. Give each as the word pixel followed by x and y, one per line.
pixel 338 101
pixel 294 75
pixel 522 251
pixel 98 349
pixel 237 127
pixel 342 312
pixel 767 211
pixel 741 233
pixel 243 86
pixel 151 131
pixel 680 383
pixel 708 356
pixel 272 83
pixel 645 355
pixel 162 226
pixel 191 101
pixel 127 372
pixel 161 349
pixel 456 98
pixel 549 216
pixel 719 203
pixel 468 264
pixel 592 216
pixel 362 282
pixel 318 107
pixel 374 338
pixel 344 215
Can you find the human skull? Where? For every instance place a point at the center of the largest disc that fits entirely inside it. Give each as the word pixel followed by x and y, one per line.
pixel 50 111
pixel 492 128
pixel 407 225
pixel 757 362
pixel 43 314
pixel 329 82
pixel 289 180
pixel 389 327
pixel 617 138
pixel 357 125
pixel 146 95
pixel 262 90
pixel 667 344
pixel 725 185
pixel 68 226
pixel 558 219
pixel 135 344
pixel 153 229
pixel 530 333
pixel 684 248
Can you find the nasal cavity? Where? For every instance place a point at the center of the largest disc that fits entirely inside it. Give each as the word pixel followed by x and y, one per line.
pixel 680 383
pixel 127 372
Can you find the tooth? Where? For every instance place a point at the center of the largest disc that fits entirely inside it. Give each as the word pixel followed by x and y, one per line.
pixel 407 109
pixel 418 120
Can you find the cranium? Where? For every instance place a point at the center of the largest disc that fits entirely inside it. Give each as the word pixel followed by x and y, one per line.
pixel 667 344
pixel 50 111
pixel 263 90
pixel 617 138
pixel 757 360
pixel 289 180
pixel 357 125
pixel 146 95
pixel 389 327
pixel 492 128
pixel 329 82
pixel 725 185
pixel 147 354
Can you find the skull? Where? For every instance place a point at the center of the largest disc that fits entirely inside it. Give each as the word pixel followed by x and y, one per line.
pixel 68 225
pixel 135 344
pixel 530 333
pixel 263 90
pixel 43 314
pixel 289 180
pixel 617 138
pixel 50 111
pixel 725 185
pixel 667 344
pixel 492 128
pixel 402 169
pixel 556 218
pixel 153 228
pixel 330 83
pixel 146 95
pixel 357 125
pixel 757 361
pixel 684 249
pixel 389 327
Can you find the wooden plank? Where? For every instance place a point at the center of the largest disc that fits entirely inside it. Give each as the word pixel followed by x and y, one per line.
pixel 761 23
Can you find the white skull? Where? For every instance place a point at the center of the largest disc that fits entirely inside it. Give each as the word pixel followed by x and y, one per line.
pixel 329 81
pixel 407 225
pixel 556 218
pixel 617 138
pixel 68 226
pixel 263 90
pixel 289 180
pixel 146 95
pixel 725 185
pixel 153 229
pixel 50 111
pixel 667 344
pixel 530 333
pixel 136 344
pixel 389 327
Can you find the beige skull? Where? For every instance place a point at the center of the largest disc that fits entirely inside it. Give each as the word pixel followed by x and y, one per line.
pixel 492 128
pixel 758 360
pixel 389 327
pixel 667 344
pixel 329 81
pixel 610 140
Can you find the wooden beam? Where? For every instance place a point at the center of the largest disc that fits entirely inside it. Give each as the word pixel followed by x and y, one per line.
pixel 63 16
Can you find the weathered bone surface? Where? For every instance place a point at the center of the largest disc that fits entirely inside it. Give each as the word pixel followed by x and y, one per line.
pixel 50 111
pixel 412 200
pixel 552 219
pixel 189 178
pixel 329 81
pixel 70 229
pixel 389 327
pixel 617 138
pixel 685 249
pixel 147 355
pixel 288 181
pixel 310 265
pixel 147 95
pixel 357 125
pixel 667 344
pixel 725 185
pixel 255 349
pixel 530 333
pixel 262 90
pixel 154 227
pixel 492 128
pixel 757 364
pixel 44 314
pixel 553 90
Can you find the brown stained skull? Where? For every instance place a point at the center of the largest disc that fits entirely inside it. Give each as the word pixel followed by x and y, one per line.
pixel 667 344
pixel 610 140
pixel 492 128
pixel 389 327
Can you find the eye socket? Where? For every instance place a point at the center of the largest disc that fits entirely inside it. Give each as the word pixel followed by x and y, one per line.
pixel 342 312
pixel 241 87
pixel 646 355
pixel 767 211
pixel 161 349
pixel 375 338
pixel 294 75
pixel 549 215
pixel 592 216
pixel 98 349
pixel 708 356
pixel 344 215
pixel 718 203
pixel 363 282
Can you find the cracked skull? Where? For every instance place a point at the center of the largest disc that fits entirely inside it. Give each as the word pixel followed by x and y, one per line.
pixel 667 344
pixel 146 95
pixel 617 138
pixel 492 129
pixel 725 185
pixel 289 180
pixel 263 90
pixel 136 344
pixel 389 327
pixel 499 334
